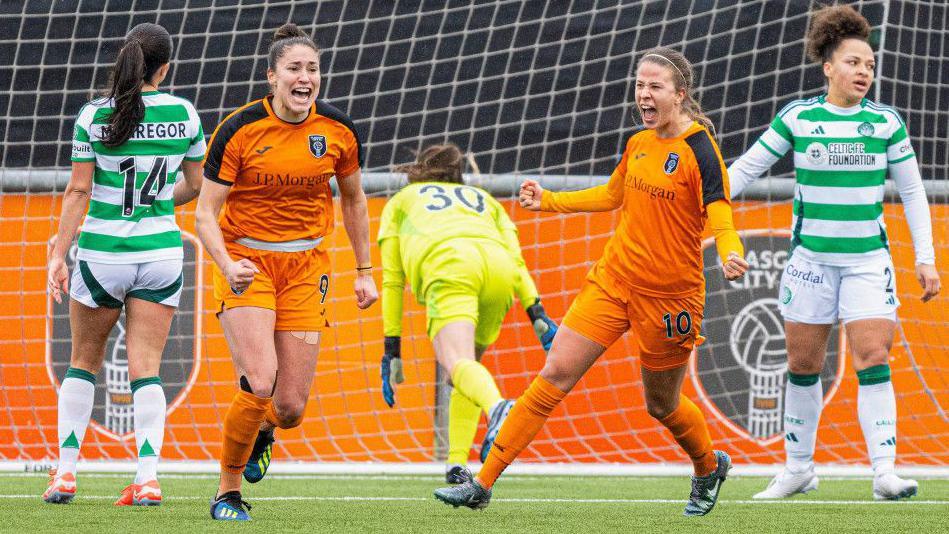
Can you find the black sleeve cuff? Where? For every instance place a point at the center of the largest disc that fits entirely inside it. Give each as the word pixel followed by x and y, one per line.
pixel 393 346
pixel 536 311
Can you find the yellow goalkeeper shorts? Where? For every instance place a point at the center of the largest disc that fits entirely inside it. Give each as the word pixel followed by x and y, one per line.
pixel 468 280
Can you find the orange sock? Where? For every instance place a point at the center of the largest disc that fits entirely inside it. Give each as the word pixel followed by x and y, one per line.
pixel 527 417
pixel 240 429
pixel 688 426
pixel 271 417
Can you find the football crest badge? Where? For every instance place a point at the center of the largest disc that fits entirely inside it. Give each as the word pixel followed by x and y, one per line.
pixel 317 145
pixel 671 164
pixel 866 129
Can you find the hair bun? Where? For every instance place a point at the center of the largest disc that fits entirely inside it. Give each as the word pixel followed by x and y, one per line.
pixel 288 31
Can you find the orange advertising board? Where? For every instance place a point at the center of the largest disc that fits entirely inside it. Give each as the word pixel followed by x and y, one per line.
pixel 603 419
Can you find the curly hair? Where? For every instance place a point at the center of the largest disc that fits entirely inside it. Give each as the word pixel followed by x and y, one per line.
pixel 830 25
pixel 436 163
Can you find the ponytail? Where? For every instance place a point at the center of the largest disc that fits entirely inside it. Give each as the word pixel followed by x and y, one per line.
pixel 147 47
pixel 694 110
pixel 126 92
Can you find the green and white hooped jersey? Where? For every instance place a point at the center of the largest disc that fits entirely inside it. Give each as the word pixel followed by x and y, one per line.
pixel 842 157
pixel 131 216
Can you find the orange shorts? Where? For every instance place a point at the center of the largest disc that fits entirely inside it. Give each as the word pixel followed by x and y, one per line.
pixel 293 284
pixel 666 328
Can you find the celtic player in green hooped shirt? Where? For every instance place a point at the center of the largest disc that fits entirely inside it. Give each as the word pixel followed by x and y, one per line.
pixel 844 148
pixel 460 252
pixel 130 151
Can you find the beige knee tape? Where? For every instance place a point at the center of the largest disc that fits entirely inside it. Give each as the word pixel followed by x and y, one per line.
pixel 310 338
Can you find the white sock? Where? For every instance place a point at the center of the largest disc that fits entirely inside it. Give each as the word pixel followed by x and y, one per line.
pixel 802 407
pixel 876 408
pixel 148 399
pixel 76 397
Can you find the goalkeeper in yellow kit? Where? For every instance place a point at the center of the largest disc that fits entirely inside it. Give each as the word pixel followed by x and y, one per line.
pixel 459 250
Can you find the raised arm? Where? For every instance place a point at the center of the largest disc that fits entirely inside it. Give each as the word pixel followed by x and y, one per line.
pixel 604 197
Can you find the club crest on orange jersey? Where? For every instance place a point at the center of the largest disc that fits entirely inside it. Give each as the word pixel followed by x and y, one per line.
pixel 671 164
pixel 317 145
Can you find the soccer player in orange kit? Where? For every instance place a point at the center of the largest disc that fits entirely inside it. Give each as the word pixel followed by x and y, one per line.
pixel 269 166
pixel 670 180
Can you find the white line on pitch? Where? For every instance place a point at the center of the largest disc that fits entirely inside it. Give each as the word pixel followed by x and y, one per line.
pixel 353 498
pixel 511 478
pixel 178 476
pixel 419 478
pixel 729 501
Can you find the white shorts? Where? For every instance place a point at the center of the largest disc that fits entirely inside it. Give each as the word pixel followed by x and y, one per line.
pixel 814 293
pixel 107 285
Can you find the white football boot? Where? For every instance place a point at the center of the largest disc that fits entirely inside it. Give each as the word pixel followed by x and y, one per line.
pixel 788 483
pixel 889 487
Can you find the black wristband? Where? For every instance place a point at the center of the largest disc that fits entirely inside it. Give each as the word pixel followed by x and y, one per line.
pixel 536 311
pixel 393 346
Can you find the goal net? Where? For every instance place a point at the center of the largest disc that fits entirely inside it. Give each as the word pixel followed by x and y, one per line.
pixel 539 89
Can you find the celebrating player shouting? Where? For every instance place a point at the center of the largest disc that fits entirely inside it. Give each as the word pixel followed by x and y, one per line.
pixel 269 164
pixel 670 180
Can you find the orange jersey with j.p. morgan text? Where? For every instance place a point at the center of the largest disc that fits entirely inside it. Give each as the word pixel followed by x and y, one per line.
pixel 279 172
pixel 663 186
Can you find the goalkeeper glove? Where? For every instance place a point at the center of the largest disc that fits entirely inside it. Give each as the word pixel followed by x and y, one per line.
pixel 391 368
pixel 544 327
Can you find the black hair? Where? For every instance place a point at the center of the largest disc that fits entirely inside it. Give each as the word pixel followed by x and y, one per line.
pixel 147 47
